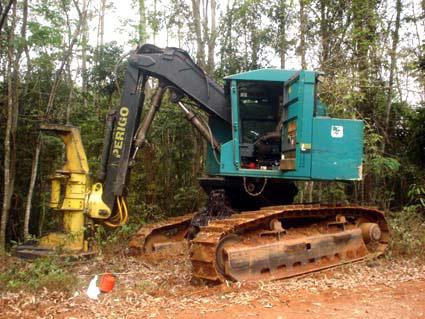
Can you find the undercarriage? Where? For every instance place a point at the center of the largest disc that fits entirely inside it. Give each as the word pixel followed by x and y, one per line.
pixel 271 243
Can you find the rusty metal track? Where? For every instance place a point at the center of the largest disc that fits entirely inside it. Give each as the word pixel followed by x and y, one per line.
pixel 171 229
pixel 328 250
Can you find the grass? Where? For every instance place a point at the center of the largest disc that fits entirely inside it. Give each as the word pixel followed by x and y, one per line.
pixel 47 272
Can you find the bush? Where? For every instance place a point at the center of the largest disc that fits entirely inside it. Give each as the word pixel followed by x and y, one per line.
pixel 407 232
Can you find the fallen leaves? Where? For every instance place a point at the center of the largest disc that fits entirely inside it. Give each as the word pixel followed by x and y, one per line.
pixel 165 289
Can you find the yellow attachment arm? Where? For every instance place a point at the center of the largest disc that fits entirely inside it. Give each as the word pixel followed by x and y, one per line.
pixel 78 200
pixel 74 175
pixel 96 208
pixel 76 160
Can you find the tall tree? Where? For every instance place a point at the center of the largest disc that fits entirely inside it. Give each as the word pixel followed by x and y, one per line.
pixel 5 12
pixel 364 40
pixel 9 156
pixel 281 16
pixel 200 49
pixel 303 33
pixel 25 47
pixel 101 24
pixel 393 64
pixel 333 21
pixel 142 22
pixel 84 49
pixel 211 39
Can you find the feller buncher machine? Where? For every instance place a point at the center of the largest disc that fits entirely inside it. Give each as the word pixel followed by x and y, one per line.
pixel 266 129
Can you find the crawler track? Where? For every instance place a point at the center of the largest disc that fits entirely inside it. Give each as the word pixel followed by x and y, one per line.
pixel 149 237
pixel 216 254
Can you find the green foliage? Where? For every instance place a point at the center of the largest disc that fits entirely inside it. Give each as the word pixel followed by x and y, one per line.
pixel 154 20
pixel 336 91
pixel 50 10
pixel 416 195
pixel 407 232
pixel 44 35
pixel 334 192
pixel 184 198
pixel 163 182
pixel 109 239
pixel 382 165
pixel 415 137
pixel 145 213
pixel 243 28
pixel 140 213
pixel 379 168
pixel 281 14
pixel 102 78
pixel 44 272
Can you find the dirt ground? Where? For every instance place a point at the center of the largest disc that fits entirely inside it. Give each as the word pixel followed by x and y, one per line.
pixel 164 289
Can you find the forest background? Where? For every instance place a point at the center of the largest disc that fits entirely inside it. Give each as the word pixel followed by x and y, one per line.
pixel 59 63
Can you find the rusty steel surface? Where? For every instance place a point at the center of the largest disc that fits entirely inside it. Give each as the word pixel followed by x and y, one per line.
pixel 307 249
pixel 292 257
pixel 272 243
pixel 157 235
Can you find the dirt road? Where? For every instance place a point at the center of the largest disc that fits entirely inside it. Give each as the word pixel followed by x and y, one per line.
pixel 378 289
pixel 404 300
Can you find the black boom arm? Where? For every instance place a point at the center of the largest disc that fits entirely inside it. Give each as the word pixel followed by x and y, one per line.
pixel 124 134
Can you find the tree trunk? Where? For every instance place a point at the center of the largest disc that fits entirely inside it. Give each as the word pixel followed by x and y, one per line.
pixel 67 52
pixel 301 186
pixel 180 35
pixel 5 12
pixel 7 187
pixel 31 187
pixel 27 77
pixel 393 65
pixel 25 45
pixel 319 192
pixel 309 191
pixel 200 50
pixel 84 42
pixel 142 22
pixel 101 24
pixel 154 27
pixel 100 40
pixel 324 36
pixel 282 14
pixel 364 40
pixel 211 39
pixel 303 31
pixel 10 130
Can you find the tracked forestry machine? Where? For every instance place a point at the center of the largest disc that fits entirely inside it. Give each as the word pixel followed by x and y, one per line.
pixel 266 129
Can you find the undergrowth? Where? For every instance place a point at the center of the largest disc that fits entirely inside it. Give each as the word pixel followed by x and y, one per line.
pixel 119 238
pixel 46 272
pixel 108 240
pixel 407 232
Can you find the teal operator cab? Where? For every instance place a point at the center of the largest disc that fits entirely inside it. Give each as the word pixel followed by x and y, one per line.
pixel 280 129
